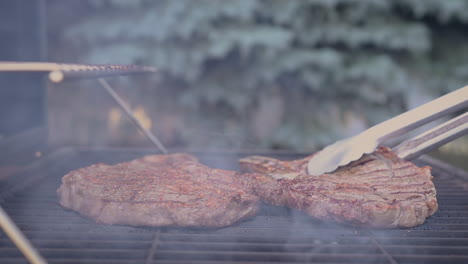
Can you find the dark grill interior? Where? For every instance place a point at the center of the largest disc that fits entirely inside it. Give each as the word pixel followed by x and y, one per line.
pixel 275 235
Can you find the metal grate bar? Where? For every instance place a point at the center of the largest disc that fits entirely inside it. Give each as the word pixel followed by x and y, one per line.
pixel 423 259
pixel 152 250
pixel 390 259
pixel 272 257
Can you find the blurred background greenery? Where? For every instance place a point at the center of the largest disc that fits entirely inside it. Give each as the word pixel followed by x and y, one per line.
pixel 273 74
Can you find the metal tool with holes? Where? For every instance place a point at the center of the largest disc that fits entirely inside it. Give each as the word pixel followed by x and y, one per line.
pixel 60 71
pixel 57 72
pixel 347 150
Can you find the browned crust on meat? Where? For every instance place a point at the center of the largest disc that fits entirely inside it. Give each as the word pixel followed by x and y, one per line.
pixel 158 190
pixel 379 190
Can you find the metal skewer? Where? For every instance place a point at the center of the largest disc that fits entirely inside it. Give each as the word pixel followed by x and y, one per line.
pixel 130 115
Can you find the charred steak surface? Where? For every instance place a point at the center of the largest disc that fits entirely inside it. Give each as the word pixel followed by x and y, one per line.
pixel 158 190
pixel 379 190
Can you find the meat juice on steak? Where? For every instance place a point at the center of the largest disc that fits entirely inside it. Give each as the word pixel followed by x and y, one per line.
pixel 158 190
pixel 379 190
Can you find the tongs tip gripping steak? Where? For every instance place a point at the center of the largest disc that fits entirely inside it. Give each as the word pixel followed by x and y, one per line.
pixel 345 151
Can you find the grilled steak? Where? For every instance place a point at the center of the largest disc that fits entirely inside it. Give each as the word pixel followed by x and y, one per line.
pixel 379 190
pixel 158 190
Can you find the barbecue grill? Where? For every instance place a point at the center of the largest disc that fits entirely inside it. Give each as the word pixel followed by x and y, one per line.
pixel 275 235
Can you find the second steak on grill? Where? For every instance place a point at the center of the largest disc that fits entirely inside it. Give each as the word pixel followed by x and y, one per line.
pixel 158 190
pixel 379 190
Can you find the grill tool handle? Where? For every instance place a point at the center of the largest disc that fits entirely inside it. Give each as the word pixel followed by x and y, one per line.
pixel 127 110
pixel 436 137
pixel 19 239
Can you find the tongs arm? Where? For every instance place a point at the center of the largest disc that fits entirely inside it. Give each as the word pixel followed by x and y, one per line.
pixel 434 138
pixel 419 116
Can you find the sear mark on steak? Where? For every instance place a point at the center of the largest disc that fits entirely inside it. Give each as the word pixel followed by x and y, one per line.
pixel 379 190
pixel 158 190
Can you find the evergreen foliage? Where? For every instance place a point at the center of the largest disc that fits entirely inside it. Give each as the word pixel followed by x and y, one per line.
pixel 288 74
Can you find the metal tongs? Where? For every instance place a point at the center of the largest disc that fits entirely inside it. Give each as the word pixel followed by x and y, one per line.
pixel 345 151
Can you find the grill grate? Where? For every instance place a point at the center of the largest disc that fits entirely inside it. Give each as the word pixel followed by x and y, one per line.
pixel 276 235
